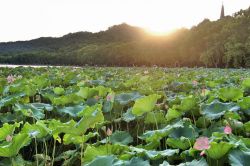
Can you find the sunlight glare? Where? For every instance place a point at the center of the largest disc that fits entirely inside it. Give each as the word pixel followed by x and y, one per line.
pixel 159 30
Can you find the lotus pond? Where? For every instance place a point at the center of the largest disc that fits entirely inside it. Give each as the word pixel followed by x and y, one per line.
pixel 124 116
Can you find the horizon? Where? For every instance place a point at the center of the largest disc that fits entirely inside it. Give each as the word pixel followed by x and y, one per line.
pixel 49 19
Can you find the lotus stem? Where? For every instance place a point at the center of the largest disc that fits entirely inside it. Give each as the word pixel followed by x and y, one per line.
pixel 53 153
pixel 36 152
pixel 156 124
pixel 46 151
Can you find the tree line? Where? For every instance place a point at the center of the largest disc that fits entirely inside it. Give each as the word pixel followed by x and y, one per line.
pixel 221 43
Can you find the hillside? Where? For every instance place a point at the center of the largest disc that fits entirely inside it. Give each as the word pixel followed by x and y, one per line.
pixel 221 43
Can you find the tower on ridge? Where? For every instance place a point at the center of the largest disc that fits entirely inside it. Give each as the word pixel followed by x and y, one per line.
pixel 222 13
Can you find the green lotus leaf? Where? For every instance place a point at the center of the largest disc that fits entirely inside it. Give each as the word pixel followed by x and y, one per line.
pixel 202 122
pixel 121 137
pixel 180 86
pixel 232 115
pixel 188 130
pixel 201 162
pixel 244 104
pixel 173 114
pixel 41 81
pixel 108 105
pixel 76 139
pixel 71 110
pixel 10 149
pixel 10 117
pixel 42 106
pixel 246 83
pixel 11 99
pixel 91 101
pixel 91 151
pixel 218 150
pixel 165 163
pixel 212 84
pixel 2 84
pixel 230 94
pixel 66 99
pixel 239 158
pixel 154 155
pixel 155 117
pixel 8 129
pixel 126 98
pixel 213 128
pixel 97 82
pixel 27 88
pixel 136 161
pixel 67 128
pixel 216 109
pixel 103 91
pixel 180 143
pixel 87 92
pixel 68 157
pixel 145 104
pixel 90 117
pixel 59 91
pixel 38 130
pixel 156 135
pixel 128 116
pixel 15 161
pixel 35 110
pixel 58 127
pixel 246 141
pixel 103 161
pixel 86 111
pixel 247 126
pixel 236 125
pixel 187 104
pixel 174 100
pixel 112 160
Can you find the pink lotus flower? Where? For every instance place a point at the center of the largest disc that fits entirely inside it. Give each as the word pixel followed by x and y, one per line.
pixel 8 138
pixel 228 130
pixel 109 132
pixel 202 143
pixel 195 83
pixel 202 153
pixel 10 79
pixel 110 97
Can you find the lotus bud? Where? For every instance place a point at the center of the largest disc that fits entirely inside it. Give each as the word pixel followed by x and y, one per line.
pixel 10 79
pixel 228 130
pixel 109 132
pixel 8 138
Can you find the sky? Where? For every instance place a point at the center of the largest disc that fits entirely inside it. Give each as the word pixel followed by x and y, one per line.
pixel 29 19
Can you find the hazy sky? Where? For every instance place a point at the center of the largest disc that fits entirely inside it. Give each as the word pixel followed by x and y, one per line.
pixel 28 19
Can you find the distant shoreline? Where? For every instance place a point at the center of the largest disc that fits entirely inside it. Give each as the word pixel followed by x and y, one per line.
pixel 35 66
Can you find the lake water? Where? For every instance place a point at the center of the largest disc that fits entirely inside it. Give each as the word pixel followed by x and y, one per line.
pixel 35 66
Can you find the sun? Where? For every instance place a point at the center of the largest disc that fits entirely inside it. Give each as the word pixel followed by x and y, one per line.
pixel 159 30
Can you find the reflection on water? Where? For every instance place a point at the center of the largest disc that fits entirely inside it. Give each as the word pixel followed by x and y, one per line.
pixel 35 66
pixel 13 66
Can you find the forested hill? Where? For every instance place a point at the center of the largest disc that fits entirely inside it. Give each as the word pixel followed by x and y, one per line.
pixel 221 43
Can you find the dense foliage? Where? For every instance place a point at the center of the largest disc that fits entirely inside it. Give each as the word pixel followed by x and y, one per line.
pixel 221 43
pixel 124 116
